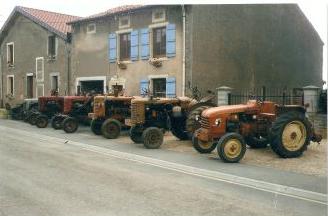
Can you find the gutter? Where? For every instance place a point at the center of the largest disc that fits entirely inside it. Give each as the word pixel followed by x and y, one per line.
pixel 183 50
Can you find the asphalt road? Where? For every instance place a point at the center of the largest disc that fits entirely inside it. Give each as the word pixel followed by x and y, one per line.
pixel 47 172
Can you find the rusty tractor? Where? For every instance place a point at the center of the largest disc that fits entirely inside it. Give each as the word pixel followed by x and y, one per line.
pixel 256 124
pixel 47 107
pixel 76 110
pixel 151 117
pixel 110 115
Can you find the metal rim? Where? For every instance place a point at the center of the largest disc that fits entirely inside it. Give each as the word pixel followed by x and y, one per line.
pixel 232 148
pixel 154 138
pixel 42 122
pixel 294 135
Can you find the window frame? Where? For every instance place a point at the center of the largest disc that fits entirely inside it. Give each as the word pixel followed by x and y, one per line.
pixel 92 31
pixel 36 69
pixel 13 86
pixel 162 19
pixel 120 45
pixel 55 47
pixel 13 54
pixel 159 56
pixel 52 75
pixel 26 89
pixel 122 18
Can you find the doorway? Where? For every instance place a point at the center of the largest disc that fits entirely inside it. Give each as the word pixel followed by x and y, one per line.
pixel 29 86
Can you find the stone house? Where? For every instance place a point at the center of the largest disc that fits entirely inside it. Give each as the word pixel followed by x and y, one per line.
pixel 34 54
pixel 169 48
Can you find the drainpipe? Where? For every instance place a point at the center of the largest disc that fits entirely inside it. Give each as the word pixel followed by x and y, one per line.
pixel 1 77
pixel 183 50
pixel 68 61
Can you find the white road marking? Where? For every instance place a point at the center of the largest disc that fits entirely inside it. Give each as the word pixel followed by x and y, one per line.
pixel 214 175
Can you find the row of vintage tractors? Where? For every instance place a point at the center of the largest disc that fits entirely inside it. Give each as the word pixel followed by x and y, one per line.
pixel 227 128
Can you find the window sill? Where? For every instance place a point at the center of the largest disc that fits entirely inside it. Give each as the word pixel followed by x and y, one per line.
pixel 51 58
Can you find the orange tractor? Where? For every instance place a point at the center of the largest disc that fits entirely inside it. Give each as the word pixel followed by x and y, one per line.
pixel 230 128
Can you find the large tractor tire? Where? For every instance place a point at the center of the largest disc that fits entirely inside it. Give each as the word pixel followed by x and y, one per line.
pixel 111 129
pixel 203 147
pixel 33 117
pixel 193 119
pixel 231 147
pixel 256 142
pixel 41 121
pixel 96 126
pixel 178 128
pixel 70 125
pixel 290 134
pixel 56 122
pixel 136 134
pixel 152 138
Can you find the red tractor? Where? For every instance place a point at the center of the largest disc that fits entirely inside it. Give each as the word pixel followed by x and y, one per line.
pixel 230 128
pixel 47 107
pixel 76 109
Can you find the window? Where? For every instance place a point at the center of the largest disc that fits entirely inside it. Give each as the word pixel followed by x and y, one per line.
pixel 124 22
pixel 10 54
pixel 52 46
pixel 91 28
pixel 159 87
pixel 125 46
pixel 29 86
pixel 10 84
pixel 159 42
pixel 39 67
pixel 54 83
pixel 158 15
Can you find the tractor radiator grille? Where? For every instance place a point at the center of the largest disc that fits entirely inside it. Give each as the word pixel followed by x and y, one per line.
pixel 204 122
pixel 137 113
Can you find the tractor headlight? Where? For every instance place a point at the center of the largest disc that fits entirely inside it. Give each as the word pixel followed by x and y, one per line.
pixel 197 117
pixel 218 121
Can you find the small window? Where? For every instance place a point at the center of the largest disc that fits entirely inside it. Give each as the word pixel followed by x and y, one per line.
pixel 159 42
pixel 54 83
pixel 125 46
pixel 159 87
pixel 10 54
pixel 124 22
pixel 158 15
pixel 39 67
pixel 52 46
pixel 91 28
pixel 10 85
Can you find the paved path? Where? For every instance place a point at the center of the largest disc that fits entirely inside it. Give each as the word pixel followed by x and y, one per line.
pixel 47 172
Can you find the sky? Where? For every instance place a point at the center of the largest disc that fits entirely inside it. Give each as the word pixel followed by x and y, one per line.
pixel 315 11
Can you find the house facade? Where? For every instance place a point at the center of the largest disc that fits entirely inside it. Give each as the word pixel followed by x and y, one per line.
pixel 34 54
pixel 170 49
pixel 137 48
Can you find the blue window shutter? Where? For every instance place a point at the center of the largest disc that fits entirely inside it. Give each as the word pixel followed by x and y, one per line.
pixel 170 40
pixel 144 43
pixel 134 45
pixel 112 47
pixel 170 87
pixel 143 87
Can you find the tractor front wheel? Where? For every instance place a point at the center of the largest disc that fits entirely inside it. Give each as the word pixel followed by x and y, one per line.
pixel 41 121
pixel 33 117
pixel 56 122
pixel 136 134
pixel 152 137
pixel 70 125
pixel 290 135
pixel 203 147
pixel 178 129
pixel 111 129
pixel 96 126
pixel 231 147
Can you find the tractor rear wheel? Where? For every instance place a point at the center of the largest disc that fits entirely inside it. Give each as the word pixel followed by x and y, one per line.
pixel 231 147
pixel 152 137
pixel 70 125
pixel 136 134
pixel 111 129
pixel 290 135
pixel 193 119
pixel 41 121
pixel 178 126
pixel 202 146
pixel 56 122
pixel 96 126
pixel 256 142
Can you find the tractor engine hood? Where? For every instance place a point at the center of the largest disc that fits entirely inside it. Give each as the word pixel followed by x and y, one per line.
pixel 230 109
